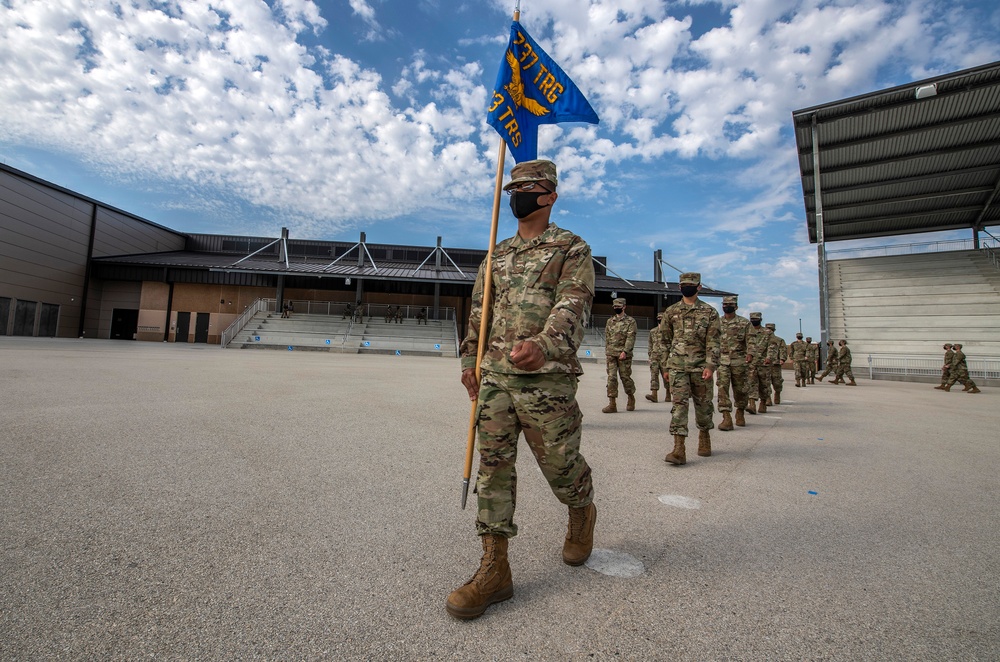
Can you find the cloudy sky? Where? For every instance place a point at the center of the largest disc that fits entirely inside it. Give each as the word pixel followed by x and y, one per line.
pixel 340 116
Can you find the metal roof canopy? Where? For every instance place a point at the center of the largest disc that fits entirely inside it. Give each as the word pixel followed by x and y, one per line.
pixel 921 157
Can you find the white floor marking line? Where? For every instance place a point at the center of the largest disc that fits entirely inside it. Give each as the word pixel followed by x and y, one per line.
pixel 615 564
pixel 679 501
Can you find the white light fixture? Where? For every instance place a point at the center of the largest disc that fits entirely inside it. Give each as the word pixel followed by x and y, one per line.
pixel 925 91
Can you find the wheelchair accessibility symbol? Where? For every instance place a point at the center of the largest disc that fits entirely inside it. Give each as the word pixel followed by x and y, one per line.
pixel 290 348
pixel 588 352
pixel 367 343
pixel 398 353
pixel 438 346
pixel 256 338
pixel 327 341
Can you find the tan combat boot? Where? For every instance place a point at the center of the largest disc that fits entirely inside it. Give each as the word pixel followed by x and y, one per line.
pixel 579 535
pixel 652 395
pixel 676 456
pixel 968 385
pixel 741 421
pixel 762 408
pixel 797 384
pixel 852 383
pixel 630 405
pixel 492 583
pixel 947 387
pixel 974 389
pixel 777 397
pixel 940 388
pixel 611 408
pixel 751 406
pixel 727 422
pixel 704 443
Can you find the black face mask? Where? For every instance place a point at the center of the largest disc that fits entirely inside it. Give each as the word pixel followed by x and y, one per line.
pixel 729 309
pixel 618 311
pixel 689 290
pixel 755 322
pixel 525 203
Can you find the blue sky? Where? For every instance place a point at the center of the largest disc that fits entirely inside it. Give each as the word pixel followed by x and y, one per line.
pixel 337 117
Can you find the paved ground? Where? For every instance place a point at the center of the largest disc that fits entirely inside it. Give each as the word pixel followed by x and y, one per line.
pixel 187 502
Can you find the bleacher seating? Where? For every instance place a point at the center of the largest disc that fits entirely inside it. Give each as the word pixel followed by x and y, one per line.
pixel 331 333
pixel 912 304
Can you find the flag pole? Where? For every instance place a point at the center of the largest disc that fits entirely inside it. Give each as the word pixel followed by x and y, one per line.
pixel 470 444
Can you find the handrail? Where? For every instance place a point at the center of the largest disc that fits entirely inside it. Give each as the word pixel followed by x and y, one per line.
pixel 458 341
pixel 240 322
pixel 902 249
pixel 928 366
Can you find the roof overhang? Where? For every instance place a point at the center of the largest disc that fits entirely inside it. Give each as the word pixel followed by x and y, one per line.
pixel 921 157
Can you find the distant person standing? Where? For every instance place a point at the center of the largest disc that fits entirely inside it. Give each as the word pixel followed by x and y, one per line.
pixel 946 368
pixel 690 332
pixel 831 362
pixel 422 316
pixel 800 358
pixel 844 365
pixel 758 375
pixel 657 364
pixel 734 361
pixel 813 356
pixel 619 341
pixel 781 355
pixel 960 371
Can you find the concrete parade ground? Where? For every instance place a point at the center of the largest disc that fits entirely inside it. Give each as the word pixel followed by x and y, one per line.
pixel 186 502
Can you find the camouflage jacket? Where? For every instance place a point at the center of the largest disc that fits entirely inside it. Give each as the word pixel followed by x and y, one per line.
pixel 757 341
pixel 619 335
pixel 832 356
pixel 733 338
pixel 691 335
pixel 772 355
pixel 656 350
pixel 958 359
pixel 948 355
pixel 799 350
pixel 782 349
pixel 542 291
pixel 812 351
pixel 844 357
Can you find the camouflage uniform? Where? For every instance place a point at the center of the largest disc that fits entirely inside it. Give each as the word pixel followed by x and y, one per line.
pixel 812 355
pixel 542 291
pixel 960 372
pixel 691 335
pixel 733 367
pixel 831 360
pixel 657 363
pixel 946 368
pixel 800 357
pixel 619 336
pixel 844 365
pixel 758 376
pixel 779 358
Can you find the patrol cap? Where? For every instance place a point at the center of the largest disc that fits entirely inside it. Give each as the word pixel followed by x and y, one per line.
pixel 809 338
pixel 618 302
pixel 957 345
pixel 731 300
pixel 947 345
pixel 532 171
pixel 690 277
pixel 799 336
pixel 756 316
pixel 770 325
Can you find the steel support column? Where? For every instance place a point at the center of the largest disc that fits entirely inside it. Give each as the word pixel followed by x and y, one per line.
pixel 824 283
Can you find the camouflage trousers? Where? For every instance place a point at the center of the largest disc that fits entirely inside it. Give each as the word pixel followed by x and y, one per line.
pixel 686 386
pixel 844 369
pixel 830 367
pixel 960 375
pixel 758 382
pixel 736 377
pixel 802 370
pixel 811 369
pixel 657 371
pixel 544 407
pixel 777 380
pixel 624 367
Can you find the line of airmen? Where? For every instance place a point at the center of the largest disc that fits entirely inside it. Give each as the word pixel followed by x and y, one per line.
pixel 749 365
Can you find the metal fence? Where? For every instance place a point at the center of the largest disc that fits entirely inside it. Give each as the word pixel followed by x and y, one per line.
pixel 889 366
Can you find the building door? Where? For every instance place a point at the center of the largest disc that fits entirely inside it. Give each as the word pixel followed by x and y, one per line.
pixel 201 327
pixel 4 314
pixel 24 318
pixel 183 326
pixel 124 323
pixel 48 322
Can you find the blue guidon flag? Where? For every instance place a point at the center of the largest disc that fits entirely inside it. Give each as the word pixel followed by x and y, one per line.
pixel 531 90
